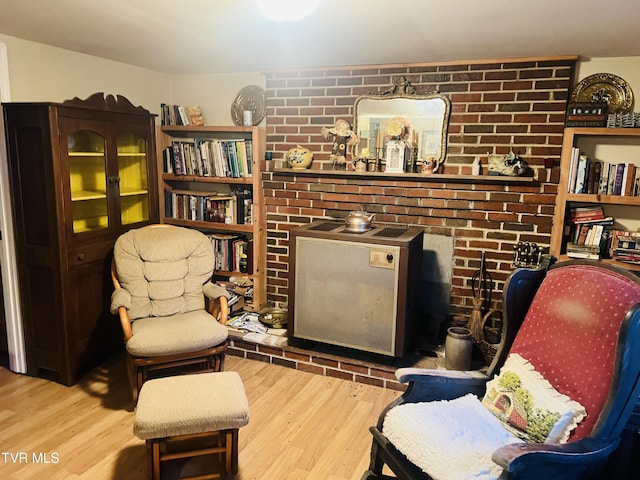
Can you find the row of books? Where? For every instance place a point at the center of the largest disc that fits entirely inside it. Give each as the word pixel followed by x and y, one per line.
pixel 228 250
pixel 598 177
pixel 209 158
pixel 179 115
pixel 207 207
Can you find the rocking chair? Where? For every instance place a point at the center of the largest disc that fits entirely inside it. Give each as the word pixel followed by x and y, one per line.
pixel 577 348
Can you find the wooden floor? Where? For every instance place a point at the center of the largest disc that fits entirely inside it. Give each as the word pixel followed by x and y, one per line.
pixel 302 426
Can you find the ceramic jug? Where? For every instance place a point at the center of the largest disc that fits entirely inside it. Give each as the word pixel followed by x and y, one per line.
pixel 458 348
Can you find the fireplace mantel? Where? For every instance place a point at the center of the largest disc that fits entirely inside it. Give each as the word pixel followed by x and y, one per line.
pixel 433 178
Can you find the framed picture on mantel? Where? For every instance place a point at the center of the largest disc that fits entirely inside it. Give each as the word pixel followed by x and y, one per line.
pixel 395 157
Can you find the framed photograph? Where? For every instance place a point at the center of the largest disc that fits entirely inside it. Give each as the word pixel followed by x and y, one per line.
pixel 395 157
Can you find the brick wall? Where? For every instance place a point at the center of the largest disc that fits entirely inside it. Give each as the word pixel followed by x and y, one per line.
pixel 495 106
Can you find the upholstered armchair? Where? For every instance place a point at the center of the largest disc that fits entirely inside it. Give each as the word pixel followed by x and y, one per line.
pixel 161 276
pixel 553 403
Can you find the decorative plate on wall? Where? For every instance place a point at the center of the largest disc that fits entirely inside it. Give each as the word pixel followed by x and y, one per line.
pixel 252 98
pixel 605 88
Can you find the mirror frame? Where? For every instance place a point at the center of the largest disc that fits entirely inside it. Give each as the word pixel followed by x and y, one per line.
pixel 404 90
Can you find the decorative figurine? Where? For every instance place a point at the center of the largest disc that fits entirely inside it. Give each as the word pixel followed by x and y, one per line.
pixel 343 137
pixel 510 165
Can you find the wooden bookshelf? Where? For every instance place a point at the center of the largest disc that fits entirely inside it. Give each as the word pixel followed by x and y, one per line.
pixel 254 232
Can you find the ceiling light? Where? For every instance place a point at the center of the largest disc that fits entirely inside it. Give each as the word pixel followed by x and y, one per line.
pixel 287 10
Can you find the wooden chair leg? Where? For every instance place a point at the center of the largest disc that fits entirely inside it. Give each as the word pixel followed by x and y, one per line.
pixel 131 375
pixel 153 459
pixel 139 378
pixel 376 463
pixel 234 450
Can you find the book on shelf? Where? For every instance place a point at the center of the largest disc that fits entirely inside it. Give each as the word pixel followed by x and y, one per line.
pixel 244 205
pixel 594 170
pixel 618 179
pixel 613 168
pixel 586 115
pixel 582 173
pixel 594 212
pixel 194 114
pixel 604 178
pixel 629 179
pixel 573 170
pixel 600 221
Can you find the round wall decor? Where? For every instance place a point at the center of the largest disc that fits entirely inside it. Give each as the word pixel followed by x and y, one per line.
pixel 604 88
pixel 251 98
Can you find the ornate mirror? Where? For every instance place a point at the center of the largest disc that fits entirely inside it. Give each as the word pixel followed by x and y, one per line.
pixel 427 117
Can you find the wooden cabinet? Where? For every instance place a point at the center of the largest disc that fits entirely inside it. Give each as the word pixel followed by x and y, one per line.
pixel 610 145
pixel 82 172
pixel 207 191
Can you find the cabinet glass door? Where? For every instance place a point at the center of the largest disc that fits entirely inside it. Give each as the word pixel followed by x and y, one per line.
pixel 132 171
pixel 88 177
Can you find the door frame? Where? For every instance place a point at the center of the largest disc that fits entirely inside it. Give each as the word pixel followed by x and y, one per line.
pixel 13 316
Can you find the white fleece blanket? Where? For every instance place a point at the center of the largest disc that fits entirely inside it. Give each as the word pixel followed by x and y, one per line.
pixel 449 440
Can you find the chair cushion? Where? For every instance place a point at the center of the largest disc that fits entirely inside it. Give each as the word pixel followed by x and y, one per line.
pixel 185 332
pixel 188 404
pixel 529 406
pixel 577 305
pixel 448 439
pixel 163 267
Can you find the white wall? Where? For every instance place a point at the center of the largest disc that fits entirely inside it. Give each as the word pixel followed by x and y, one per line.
pixel 627 68
pixel 40 73
pixel 213 93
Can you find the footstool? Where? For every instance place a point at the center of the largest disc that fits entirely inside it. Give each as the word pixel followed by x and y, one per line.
pixel 176 413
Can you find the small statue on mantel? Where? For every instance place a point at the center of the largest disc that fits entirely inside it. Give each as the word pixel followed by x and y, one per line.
pixel 343 137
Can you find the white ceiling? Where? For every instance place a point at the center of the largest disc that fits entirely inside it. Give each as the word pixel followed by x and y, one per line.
pixel 227 36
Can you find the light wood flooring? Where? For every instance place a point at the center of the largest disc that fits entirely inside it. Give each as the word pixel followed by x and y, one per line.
pixel 302 426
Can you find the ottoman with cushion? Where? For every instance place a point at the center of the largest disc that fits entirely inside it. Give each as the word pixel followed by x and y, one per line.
pixel 191 415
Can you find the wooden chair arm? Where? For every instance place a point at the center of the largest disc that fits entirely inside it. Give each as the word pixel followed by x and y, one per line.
pixel 219 308
pixel 125 323
pixel 123 315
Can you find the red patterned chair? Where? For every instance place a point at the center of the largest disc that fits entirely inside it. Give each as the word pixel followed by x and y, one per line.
pixel 559 404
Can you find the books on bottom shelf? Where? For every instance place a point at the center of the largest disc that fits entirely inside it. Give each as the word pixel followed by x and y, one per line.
pixel 589 241
pixel 576 250
pixel 625 246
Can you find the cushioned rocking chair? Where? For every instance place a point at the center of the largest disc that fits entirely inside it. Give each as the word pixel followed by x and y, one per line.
pixel 161 275
pixel 559 404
